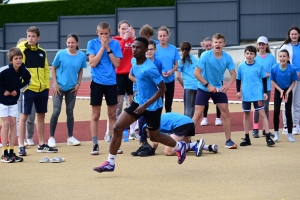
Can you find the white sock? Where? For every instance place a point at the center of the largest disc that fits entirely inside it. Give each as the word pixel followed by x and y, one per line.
pixel 132 127
pixel 276 136
pixel 291 139
pixel 191 145
pixel 206 147
pixel 111 159
pixel 178 146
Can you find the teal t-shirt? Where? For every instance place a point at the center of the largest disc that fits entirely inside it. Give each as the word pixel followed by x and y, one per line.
pixel 67 68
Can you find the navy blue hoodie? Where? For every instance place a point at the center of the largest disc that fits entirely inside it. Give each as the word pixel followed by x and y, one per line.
pixel 11 80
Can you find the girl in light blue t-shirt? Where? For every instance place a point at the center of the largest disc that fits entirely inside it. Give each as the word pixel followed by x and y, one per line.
pixel 267 60
pixel 169 56
pixel 284 78
pixel 67 70
pixel 292 45
pixel 185 76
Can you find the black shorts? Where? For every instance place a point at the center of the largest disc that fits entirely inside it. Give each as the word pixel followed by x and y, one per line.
pixel 39 99
pixel 185 130
pixel 98 90
pixel 124 84
pixel 152 117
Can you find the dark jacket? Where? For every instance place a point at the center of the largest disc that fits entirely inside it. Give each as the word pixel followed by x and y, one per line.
pixel 11 80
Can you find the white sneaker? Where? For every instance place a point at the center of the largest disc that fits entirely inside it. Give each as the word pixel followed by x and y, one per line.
pixel 204 122
pixel 218 122
pixel 295 130
pixel 30 142
pixel 284 131
pixel 134 136
pixel 72 141
pixel 107 137
pixel 51 142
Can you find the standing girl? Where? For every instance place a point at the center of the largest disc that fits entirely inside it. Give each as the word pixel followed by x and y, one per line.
pixel 267 60
pixel 291 44
pixel 67 73
pixel 169 56
pixel 185 76
pixel 283 77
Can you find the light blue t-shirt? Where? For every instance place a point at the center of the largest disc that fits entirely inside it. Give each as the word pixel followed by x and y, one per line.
pixel 251 76
pixel 67 68
pixel 213 69
pixel 267 62
pixel 170 121
pixel 283 78
pixel 147 79
pixel 187 69
pixel 104 73
pixel 168 56
pixel 296 56
pixel 157 64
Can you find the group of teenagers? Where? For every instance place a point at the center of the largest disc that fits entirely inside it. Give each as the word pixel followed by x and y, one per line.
pixel 143 70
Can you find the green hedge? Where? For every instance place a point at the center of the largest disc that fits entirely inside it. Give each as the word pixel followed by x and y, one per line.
pixel 51 10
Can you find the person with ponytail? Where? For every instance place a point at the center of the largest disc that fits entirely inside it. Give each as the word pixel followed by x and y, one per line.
pixel 291 44
pixel 267 60
pixel 185 76
pixel 67 71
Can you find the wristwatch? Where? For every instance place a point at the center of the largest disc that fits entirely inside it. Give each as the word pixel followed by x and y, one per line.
pixel 206 84
pixel 109 52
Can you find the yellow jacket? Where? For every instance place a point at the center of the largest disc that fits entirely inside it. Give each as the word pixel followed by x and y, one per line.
pixel 35 60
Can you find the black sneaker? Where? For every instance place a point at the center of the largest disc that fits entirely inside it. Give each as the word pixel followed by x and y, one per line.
pixel 95 150
pixel 245 142
pixel 22 151
pixel 7 159
pixel 147 151
pixel 45 149
pixel 270 142
pixel 264 134
pixel 255 133
pixel 141 148
pixel 16 158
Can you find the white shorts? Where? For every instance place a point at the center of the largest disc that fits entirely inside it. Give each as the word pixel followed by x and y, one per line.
pixel 6 111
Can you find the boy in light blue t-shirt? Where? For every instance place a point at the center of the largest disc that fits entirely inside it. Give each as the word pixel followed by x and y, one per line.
pixel 104 56
pixel 209 72
pixel 147 102
pixel 252 76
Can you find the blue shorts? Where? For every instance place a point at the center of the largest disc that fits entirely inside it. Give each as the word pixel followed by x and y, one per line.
pixel 39 99
pixel 203 97
pixel 258 105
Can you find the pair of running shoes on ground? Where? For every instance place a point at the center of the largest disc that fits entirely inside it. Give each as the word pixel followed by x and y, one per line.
pixel 181 154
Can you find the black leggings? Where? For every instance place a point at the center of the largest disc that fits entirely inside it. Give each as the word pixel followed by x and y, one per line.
pixel 206 110
pixel 288 110
pixel 217 109
pixel 169 95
